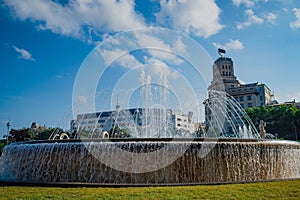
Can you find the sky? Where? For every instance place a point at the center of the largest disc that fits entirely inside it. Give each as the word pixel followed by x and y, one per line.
pixel 44 45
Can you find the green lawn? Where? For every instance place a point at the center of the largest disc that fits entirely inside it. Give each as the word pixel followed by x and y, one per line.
pixel 269 190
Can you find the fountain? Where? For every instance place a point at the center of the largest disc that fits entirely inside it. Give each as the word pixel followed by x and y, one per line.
pixel 239 155
pixel 73 162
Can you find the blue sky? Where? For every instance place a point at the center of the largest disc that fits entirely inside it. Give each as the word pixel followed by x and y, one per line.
pixel 43 43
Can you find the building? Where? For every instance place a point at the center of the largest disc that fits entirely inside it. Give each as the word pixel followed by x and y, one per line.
pixel 288 103
pixel 249 95
pixel 36 128
pixel 224 94
pixel 139 122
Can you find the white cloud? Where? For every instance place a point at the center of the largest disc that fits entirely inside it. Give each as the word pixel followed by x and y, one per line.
pixel 128 61
pixel 155 48
pixel 231 45
pixel 23 54
pixel 78 18
pixel 296 24
pixel 271 18
pixel 120 57
pixel 160 49
pixel 248 3
pixel 193 17
pixel 159 67
pixel 252 19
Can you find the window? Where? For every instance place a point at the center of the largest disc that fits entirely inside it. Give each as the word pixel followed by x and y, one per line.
pixel 249 105
pixel 261 98
pixel 101 121
pixel 178 124
pixel 242 105
pixel 241 98
pixel 249 98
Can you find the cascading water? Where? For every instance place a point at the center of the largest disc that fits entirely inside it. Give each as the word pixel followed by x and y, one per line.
pixel 90 162
pixel 226 118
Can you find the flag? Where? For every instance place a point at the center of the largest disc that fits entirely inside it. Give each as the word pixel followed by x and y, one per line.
pixel 221 51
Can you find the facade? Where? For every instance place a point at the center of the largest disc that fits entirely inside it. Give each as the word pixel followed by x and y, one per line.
pixel 225 91
pixel 249 95
pixel 288 103
pixel 36 128
pixel 140 122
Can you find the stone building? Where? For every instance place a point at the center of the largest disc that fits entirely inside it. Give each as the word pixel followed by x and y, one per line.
pixel 248 95
pixel 220 110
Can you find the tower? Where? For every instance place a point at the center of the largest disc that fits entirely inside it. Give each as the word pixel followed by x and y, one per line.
pixel 223 75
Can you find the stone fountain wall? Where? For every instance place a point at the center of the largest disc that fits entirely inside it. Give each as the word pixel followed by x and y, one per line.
pixel 88 162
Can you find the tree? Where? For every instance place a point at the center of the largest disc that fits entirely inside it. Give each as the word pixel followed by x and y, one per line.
pixel 44 135
pixel 283 120
pixel 115 132
pixel 24 134
pixel 2 145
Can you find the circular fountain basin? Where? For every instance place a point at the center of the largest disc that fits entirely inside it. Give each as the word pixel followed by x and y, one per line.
pixel 147 161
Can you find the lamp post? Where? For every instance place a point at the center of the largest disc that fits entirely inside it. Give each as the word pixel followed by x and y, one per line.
pixel 8 126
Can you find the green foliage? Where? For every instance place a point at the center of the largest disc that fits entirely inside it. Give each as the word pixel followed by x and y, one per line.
pixel 125 133
pixel 24 134
pixel 283 120
pixel 117 132
pixel 44 135
pixel 200 132
pixel 27 134
pixel 268 190
pixel 2 145
pixel 82 133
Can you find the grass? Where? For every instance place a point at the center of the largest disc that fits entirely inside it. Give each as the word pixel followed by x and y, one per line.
pixel 269 190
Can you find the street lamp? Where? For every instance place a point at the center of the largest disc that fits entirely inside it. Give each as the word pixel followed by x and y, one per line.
pixel 8 126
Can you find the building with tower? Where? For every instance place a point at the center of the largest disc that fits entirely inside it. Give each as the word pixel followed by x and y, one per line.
pixel 248 95
pixel 224 82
